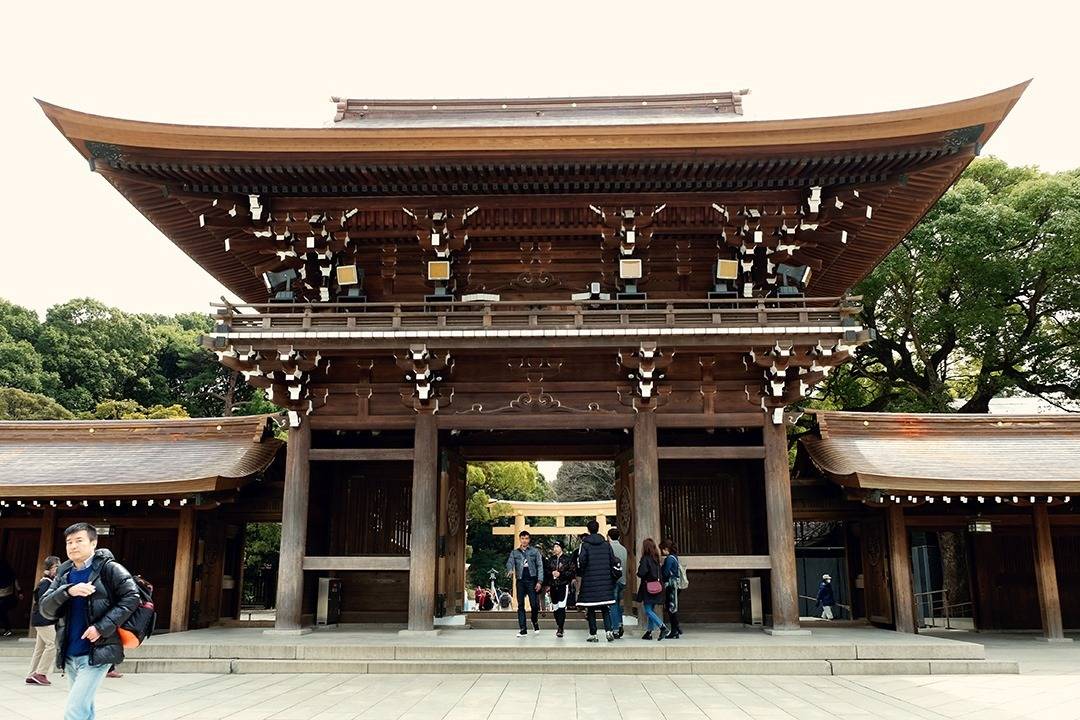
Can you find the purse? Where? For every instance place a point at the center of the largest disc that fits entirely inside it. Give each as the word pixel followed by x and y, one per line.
pixel 653 587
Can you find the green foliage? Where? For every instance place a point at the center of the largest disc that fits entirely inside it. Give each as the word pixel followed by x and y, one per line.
pixel 502 481
pixel 979 300
pixel 19 405
pixel 131 410
pixel 262 542
pixel 584 481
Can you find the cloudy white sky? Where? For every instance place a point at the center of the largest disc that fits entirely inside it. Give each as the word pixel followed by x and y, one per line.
pixel 276 64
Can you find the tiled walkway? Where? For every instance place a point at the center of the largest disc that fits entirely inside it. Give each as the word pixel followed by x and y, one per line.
pixel 1047 690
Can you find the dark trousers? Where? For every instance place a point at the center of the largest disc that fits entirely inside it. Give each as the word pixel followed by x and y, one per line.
pixel 527 588
pixel 560 617
pixel 672 607
pixel 590 615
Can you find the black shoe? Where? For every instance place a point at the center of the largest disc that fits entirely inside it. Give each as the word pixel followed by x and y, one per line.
pixel 619 632
pixel 592 638
pixel 558 633
pixel 662 634
pixel 675 635
pixel 523 633
pixel 610 636
pixel 536 627
pixel 647 635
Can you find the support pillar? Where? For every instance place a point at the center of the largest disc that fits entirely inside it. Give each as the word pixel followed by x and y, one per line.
pixel 183 571
pixel 294 520
pixel 900 570
pixel 46 545
pixel 646 481
pixel 422 538
pixel 1046 577
pixel 782 578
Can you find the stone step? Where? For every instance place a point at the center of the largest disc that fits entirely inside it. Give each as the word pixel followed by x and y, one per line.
pixel 596 665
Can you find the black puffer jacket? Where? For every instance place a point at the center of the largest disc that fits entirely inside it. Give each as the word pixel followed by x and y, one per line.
pixel 115 598
pixel 594 568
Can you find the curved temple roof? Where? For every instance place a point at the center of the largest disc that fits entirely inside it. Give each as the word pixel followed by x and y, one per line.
pixel 971 454
pixel 97 458
pixel 462 152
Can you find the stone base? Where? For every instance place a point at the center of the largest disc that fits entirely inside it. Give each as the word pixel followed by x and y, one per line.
pixel 297 631
pixel 782 632
pixel 1054 640
pixel 419 633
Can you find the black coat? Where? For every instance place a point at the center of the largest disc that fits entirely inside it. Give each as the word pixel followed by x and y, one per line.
pixel 648 569
pixel 557 585
pixel 39 592
pixel 594 567
pixel 115 598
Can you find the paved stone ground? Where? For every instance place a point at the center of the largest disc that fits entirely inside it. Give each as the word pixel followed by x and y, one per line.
pixel 1048 690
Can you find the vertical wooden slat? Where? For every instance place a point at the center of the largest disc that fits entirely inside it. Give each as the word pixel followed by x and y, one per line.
pixel 182 574
pixel 422 531
pixel 46 544
pixel 1046 576
pixel 782 578
pixel 294 520
pixel 900 570
pixel 646 480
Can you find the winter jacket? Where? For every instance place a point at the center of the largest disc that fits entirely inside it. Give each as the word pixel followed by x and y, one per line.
pixel 559 584
pixel 825 594
pixel 115 597
pixel 516 562
pixel 36 619
pixel 669 572
pixel 648 569
pixel 620 553
pixel 595 559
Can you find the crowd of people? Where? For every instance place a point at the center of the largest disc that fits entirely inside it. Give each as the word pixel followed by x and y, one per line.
pixel 594 578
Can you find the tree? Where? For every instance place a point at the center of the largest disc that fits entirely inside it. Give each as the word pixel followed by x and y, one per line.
pixel 19 405
pixel 979 300
pixel 131 410
pixel 582 481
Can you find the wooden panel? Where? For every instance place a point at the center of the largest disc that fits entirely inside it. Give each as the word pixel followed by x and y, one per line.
pixel 1067 558
pixel 876 588
pixel 726 562
pixel 704 508
pixel 374 596
pixel 1005 558
pixel 19 546
pixel 362 454
pixel 368 510
pixel 711 453
pixel 713 596
pixel 356 562
pixel 900 569
pixel 150 553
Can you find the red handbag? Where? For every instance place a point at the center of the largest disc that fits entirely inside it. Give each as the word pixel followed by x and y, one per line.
pixel 653 587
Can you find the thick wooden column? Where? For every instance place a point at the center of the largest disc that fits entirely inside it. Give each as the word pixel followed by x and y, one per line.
pixel 646 481
pixel 46 547
pixel 782 580
pixel 183 570
pixel 1046 577
pixel 294 519
pixel 900 570
pixel 422 540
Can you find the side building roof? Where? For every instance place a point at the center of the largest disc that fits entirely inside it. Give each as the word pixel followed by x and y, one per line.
pixel 949 454
pixel 117 458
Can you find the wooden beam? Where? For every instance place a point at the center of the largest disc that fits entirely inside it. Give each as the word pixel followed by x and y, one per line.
pixel 530 421
pixel 1046 577
pixel 695 420
pixel 646 480
pixel 726 562
pixel 183 571
pixel 294 520
pixel 356 562
pixel 360 454
pixel 782 579
pixel 422 540
pixel 715 452
pixel 368 422
pixel 900 570
pixel 46 543
pixel 541 530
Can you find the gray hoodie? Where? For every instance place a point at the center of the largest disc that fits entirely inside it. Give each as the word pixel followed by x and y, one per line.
pixel 620 552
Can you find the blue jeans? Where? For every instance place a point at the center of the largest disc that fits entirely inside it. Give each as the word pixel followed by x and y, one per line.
pixel 84 680
pixel 616 609
pixel 654 619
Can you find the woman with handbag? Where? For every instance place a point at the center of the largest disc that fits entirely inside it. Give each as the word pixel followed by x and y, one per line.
pixel 559 573
pixel 650 590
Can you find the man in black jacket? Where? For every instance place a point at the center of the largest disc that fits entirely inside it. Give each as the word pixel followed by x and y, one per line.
pixel 90 598
pixel 595 567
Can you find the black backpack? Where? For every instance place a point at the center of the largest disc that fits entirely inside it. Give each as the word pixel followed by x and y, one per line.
pixel 140 624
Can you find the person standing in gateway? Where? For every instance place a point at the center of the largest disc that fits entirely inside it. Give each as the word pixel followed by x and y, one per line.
pixel 825 597
pixel 91 596
pixel 526 566
pixel 45 643
pixel 620 585
pixel 594 566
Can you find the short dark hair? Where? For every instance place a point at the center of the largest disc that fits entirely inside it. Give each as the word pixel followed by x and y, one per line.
pixel 669 545
pixel 592 526
pixel 51 562
pixel 614 533
pixel 524 533
pixel 90 530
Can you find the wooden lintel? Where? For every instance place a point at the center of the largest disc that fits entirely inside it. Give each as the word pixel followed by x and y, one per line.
pixel 543 530
pixel 356 562
pixel 368 422
pixel 717 420
pixel 361 454
pixel 726 562
pixel 715 452
pixel 536 421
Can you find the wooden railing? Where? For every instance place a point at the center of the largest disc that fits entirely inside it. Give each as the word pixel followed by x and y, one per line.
pixel 520 314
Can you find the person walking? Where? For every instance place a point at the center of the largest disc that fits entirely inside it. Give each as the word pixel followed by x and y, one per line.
pixel 594 568
pixel 526 567
pixel 10 595
pixel 650 592
pixel 559 572
pixel 620 585
pixel 45 644
pixel 825 597
pixel 669 576
pixel 90 597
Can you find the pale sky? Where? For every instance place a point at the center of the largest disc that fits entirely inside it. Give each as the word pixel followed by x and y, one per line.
pixel 277 64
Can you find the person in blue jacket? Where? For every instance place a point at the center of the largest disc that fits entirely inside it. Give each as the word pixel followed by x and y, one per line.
pixel 825 598
pixel 669 576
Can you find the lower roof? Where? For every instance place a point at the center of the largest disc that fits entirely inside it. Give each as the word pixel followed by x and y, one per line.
pixel 116 458
pixel 949 454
